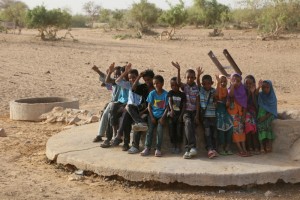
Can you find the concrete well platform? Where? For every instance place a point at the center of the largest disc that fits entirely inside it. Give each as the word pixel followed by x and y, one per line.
pixel 75 147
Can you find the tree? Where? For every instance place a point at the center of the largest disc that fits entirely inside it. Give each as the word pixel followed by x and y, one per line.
pixel 79 21
pixel 105 15
pixel 279 16
pixel 145 14
pixel 93 10
pixel 48 22
pixel 15 12
pixel 117 19
pixel 208 12
pixel 6 3
pixel 272 17
pixel 174 17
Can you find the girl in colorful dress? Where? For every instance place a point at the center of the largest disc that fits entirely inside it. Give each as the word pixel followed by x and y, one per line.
pixel 224 120
pixel 251 113
pixel 267 112
pixel 237 107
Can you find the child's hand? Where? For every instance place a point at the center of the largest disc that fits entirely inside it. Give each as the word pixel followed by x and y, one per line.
pixel 200 71
pixel 260 83
pixel 95 68
pixel 162 121
pixel 142 73
pixel 176 65
pixel 153 120
pixel 128 67
pixel 111 68
pixel 217 78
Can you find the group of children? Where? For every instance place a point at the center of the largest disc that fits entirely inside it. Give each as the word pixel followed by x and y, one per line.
pixel 237 112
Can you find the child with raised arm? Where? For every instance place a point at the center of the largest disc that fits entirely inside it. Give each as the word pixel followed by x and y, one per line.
pixel 134 100
pixel 267 112
pixel 116 108
pixel 251 114
pixel 191 114
pixel 139 115
pixel 102 77
pixel 208 112
pixel 177 100
pixel 157 107
pixel 224 120
pixel 104 120
pixel 237 108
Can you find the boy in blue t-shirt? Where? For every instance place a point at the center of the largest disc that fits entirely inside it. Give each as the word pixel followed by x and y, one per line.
pixel 157 106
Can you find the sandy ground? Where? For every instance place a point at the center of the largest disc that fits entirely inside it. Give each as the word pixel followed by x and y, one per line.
pixel 24 60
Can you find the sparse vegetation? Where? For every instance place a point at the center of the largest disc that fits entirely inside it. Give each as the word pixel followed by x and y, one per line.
pixel 271 18
pixel 145 14
pixel 93 11
pixel 174 17
pixel 48 22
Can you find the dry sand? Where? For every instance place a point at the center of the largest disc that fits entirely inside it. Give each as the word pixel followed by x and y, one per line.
pixel 24 61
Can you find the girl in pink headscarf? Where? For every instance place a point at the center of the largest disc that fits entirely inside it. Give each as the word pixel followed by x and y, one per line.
pixel 237 108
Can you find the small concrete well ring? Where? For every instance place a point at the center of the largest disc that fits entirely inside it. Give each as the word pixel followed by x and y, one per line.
pixel 30 109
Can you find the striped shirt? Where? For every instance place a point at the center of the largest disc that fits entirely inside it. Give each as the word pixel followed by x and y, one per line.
pixel 211 108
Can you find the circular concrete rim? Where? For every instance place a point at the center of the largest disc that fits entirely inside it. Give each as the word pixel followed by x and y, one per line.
pixel 75 147
pixel 44 100
pixel 30 109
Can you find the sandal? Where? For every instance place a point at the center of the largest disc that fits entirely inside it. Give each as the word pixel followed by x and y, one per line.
pixel 229 153
pixel 211 154
pixel 133 150
pixel 125 147
pixel 105 144
pixel 223 153
pixel 145 152
pixel 216 153
pixel 116 142
pixel 98 138
pixel 242 154
pixel 158 153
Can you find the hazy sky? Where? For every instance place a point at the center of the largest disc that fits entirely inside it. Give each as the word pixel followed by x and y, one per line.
pixel 76 5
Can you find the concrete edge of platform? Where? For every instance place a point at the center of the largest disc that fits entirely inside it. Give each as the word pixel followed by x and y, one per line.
pixel 74 147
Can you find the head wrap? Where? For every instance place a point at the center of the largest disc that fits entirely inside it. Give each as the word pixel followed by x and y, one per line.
pixel 222 92
pixel 249 99
pixel 268 101
pixel 249 77
pixel 239 93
